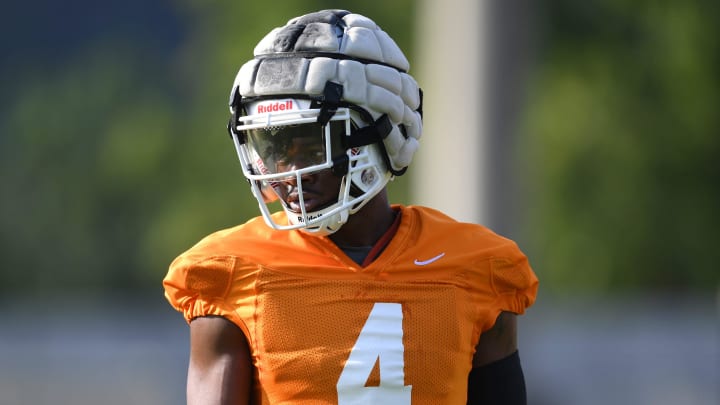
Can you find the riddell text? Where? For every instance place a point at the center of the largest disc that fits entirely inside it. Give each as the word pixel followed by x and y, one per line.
pixel 277 106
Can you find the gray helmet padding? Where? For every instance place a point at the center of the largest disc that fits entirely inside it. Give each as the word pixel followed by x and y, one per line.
pixel 347 49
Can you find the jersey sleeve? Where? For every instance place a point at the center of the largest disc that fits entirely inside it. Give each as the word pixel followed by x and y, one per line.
pixel 200 286
pixel 513 283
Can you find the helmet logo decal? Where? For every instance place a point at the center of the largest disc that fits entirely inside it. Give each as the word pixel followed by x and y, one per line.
pixel 276 106
pixel 261 166
pixel 310 217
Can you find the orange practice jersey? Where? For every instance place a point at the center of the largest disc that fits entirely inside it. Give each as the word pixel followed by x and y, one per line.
pixel 324 330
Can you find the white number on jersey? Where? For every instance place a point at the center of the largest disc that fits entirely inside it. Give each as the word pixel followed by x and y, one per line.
pixel 381 341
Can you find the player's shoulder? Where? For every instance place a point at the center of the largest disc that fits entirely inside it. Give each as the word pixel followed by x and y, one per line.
pixel 220 258
pixel 239 240
pixel 432 221
pixel 221 250
pixel 428 228
pixel 475 249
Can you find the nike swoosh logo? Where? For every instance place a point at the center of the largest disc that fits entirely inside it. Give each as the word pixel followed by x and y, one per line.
pixel 430 260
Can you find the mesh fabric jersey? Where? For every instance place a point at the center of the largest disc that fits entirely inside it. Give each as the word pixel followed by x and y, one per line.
pixel 324 330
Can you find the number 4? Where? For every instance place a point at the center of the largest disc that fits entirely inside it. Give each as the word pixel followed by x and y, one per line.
pixel 380 340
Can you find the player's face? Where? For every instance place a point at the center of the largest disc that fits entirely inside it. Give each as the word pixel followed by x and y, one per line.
pixel 319 190
pixel 289 149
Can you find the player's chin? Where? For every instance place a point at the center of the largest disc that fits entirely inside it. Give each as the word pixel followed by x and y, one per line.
pixel 312 204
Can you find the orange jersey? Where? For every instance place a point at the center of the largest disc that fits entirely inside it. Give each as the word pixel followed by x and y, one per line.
pixel 324 330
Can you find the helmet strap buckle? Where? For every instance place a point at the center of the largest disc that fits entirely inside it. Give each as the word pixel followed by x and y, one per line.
pixel 332 94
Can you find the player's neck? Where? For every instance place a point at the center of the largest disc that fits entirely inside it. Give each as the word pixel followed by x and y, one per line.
pixel 366 226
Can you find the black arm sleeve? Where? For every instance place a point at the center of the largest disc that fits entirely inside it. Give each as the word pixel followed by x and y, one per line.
pixel 499 383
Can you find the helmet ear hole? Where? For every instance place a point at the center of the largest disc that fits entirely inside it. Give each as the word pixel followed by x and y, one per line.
pixel 368 170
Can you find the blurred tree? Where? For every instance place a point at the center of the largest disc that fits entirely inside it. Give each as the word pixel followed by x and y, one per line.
pixel 621 142
pixel 114 157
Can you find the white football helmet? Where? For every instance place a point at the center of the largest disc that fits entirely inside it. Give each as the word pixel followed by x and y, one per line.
pixel 283 142
pixel 328 91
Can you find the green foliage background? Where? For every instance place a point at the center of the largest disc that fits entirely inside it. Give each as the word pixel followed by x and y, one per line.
pixel 114 158
pixel 622 135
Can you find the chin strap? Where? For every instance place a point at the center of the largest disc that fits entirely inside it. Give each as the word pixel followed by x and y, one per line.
pixel 376 132
pixel 235 107
pixel 332 94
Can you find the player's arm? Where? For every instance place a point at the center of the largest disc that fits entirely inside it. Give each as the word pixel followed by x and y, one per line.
pixel 220 371
pixel 497 376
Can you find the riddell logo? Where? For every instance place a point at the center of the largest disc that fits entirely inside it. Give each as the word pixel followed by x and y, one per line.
pixel 276 106
pixel 309 217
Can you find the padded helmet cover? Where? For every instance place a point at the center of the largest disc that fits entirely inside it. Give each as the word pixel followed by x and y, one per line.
pixel 349 49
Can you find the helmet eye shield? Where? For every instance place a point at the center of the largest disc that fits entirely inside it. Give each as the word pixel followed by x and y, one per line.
pixel 287 148
pixel 279 146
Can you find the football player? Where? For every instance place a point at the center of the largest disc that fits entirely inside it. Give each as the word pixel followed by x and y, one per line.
pixel 334 295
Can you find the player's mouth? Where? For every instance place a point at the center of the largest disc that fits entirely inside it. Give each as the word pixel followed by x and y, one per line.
pixel 312 201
